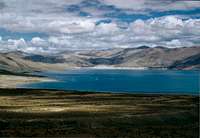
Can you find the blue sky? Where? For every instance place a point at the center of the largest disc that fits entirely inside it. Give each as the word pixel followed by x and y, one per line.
pixel 58 25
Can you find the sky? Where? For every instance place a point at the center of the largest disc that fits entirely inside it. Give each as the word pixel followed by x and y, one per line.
pixel 50 26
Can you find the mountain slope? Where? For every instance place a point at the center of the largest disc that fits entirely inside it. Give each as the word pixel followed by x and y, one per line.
pixel 158 57
pixel 17 63
pixel 188 63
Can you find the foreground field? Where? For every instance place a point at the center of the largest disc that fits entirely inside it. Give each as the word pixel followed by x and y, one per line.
pixel 43 113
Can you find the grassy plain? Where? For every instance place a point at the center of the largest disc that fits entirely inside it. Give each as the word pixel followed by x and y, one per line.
pixel 45 113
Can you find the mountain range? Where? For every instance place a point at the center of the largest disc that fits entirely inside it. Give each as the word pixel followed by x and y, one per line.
pixel 184 58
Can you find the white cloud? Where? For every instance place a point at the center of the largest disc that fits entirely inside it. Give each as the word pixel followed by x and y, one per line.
pixel 54 40
pixel 174 42
pixel 65 26
pixel 139 27
pixel 47 16
pixel 107 28
pixel 49 25
pixel 166 31
pixel 65 30
pixel 30 50
pixel 64 41
pixel 126 4
pixel 13 44
pixel 168 27
pixel 145 5
pixel 17 43
pixel 37 41
pixel 170 22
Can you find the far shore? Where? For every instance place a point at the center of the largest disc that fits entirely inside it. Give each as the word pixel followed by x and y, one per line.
pixel 113 67
pixel 119 68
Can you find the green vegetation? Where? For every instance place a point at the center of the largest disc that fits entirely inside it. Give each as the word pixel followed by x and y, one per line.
pixel 44 113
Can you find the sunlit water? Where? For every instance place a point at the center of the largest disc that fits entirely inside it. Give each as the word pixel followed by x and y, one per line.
pixel 129 81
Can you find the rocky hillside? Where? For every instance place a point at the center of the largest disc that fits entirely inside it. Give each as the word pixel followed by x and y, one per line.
pixel 159 57
pixel 187 63
pixel 19 62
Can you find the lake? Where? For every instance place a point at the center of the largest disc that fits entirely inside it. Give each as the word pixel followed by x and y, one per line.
pixel 128 81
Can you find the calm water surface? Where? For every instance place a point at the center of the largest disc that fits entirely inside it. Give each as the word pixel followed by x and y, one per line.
pixel 131 81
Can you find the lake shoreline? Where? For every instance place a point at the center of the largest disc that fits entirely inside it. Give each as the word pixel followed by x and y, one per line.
pixel 21 82
pixel 123 81
pixel 112 92
pixel 100 92
pixel 13 81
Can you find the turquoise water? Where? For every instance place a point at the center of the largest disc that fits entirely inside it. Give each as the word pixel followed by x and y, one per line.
pixel 129 81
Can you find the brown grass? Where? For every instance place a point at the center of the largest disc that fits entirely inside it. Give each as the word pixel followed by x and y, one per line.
pixel 46 113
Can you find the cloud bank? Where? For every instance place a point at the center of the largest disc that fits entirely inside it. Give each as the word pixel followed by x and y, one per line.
pixel 52 26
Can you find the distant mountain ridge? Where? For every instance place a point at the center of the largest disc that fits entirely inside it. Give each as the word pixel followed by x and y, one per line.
pixel 158 57
pixel 190 62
